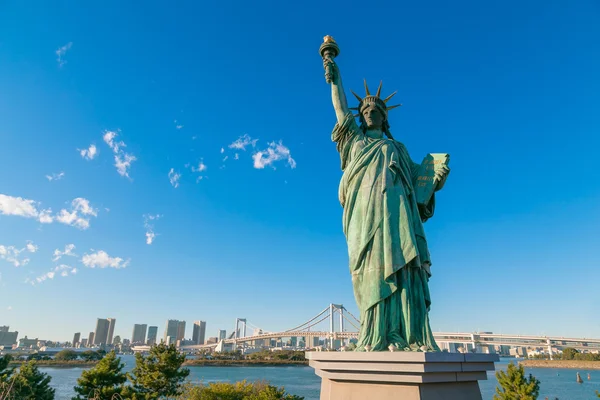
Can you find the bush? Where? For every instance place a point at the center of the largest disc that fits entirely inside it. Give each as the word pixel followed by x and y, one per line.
pixel 237 391
pixel 66 355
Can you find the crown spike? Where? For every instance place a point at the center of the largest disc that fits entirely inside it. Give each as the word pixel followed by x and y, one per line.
pixel 367 88
pixel 389 97
pixel 390 107
pixel 379 88
pixel 357 96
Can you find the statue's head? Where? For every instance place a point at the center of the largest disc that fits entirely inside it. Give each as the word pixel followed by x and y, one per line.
pixel 372 111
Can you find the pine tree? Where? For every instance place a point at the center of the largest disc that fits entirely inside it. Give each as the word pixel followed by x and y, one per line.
pixel 102 381
pixel 159 374
pixel 30 384
pixel 514 385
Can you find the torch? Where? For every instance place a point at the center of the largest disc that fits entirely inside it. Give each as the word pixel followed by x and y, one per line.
pixel 329 50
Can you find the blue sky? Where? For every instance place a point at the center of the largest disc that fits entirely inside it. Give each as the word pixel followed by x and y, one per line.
pixel 510 90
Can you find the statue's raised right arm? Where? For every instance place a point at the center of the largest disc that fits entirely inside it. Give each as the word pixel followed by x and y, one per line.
pixel 338 97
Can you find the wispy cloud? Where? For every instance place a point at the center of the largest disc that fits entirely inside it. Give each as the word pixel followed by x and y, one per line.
pixel 90 153
pixel 200 169
pixel 55 177
pixel 242 142
pixel 10 205
pixel 101 259
pixel 60 270
pixel 123 159
pixel 275 152
pixel 61 52
pixel 13 255
pixel 79 215
pixel 149 226
pixel 174 178
pixel 177 125
pixel 67 252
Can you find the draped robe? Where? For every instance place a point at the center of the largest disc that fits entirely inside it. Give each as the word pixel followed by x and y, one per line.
pixel 387 248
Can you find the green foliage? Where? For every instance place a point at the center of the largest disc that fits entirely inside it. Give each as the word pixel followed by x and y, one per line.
pixel 90 355
pixel 102 381
pixel 237 391
pixel 66 355
pixel 569 353
pixel 514 385
pixel 159 374
pixel 30 384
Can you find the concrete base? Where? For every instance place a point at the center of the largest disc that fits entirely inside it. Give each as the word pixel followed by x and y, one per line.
pixel 400 375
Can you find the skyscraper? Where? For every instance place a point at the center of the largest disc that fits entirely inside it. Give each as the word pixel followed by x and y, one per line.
pixel 139 334
pixel 152 334
pixel 222 334
pixel 76 338
pixel 199 332
pixel 111 330
pixel 181 330
pixel 101 333
pixel 90 340
pixel 171 330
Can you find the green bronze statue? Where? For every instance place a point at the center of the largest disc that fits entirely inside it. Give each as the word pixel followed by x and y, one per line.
pixel 383 219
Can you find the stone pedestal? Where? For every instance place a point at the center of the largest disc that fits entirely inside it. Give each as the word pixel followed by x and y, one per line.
pixel 400 375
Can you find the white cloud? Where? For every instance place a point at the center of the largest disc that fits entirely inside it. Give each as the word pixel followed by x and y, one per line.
pixel 44 216
pixel 63 270
pixel 149 225
pixel 225 158
pixel 101 259
pixel 123 159
pixel 177 126
pixel 174 178
pixel 13 255
pixel 236 156
pixel 201 167
pixel 222 150
pixel 90 153
pixel 32 248
pixel 67 252
pixel 61 52
pixel 242 142
pixel 73 271
pixel 18 206
pixel 80 213
pixel 275 152
pixel 55 177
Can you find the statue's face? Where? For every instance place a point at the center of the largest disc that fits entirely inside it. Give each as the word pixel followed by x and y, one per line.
pixel 373 117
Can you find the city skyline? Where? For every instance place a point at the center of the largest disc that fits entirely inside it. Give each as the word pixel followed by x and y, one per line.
pixel 135 166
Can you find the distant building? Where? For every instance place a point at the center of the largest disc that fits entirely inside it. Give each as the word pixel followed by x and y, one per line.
pixel 101 333
pixel 222 334
pixel 27 343
pixel 199 332
pixel 139 334
pixel 7 338
pixel 90 341
pixel 212 340
pixel 111 330
pixel 76 338
pixel 181 330
pixel 152 334
pixel 84 342
pixel 171 330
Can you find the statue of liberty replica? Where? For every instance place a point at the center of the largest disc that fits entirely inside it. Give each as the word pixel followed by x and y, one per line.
pixel 386 199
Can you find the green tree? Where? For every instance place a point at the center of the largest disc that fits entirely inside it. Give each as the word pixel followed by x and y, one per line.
pixel 30 384
pixel 66 355
pixel 5 374
pixel 159 374
pixel 569 353
pixel 237 391
pixel 514 386
pixel 102 381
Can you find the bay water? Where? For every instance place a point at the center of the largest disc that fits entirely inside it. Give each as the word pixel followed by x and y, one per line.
pixel 302 381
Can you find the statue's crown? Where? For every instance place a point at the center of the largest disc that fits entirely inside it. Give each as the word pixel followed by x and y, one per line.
pixel 370 99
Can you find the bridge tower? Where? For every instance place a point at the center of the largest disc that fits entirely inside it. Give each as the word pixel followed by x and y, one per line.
pixel 333 308
pixel 237 334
